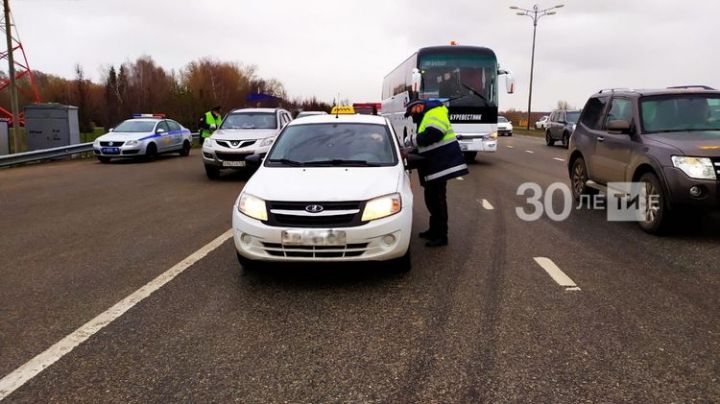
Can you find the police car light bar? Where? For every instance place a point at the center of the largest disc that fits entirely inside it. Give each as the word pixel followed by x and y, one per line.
pixel 148 116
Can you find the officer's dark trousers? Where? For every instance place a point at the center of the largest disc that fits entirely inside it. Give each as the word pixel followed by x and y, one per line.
pixel 436 202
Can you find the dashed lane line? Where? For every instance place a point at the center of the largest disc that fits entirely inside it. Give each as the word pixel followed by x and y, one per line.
pixel 510 147
pixel 558 159
pixel 557 274
pixel 529 151
pixel 34 366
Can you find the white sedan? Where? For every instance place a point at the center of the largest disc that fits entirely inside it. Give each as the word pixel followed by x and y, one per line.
pixel 332 188
pixel 143 136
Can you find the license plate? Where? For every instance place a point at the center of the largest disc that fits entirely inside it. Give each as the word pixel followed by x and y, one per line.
pixel 314 237
pixel 233 164
pixel 110 150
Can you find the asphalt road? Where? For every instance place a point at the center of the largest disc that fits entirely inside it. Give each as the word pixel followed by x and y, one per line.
pixel 478 321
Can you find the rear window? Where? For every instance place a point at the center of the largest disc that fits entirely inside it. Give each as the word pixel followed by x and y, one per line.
pixel 334 144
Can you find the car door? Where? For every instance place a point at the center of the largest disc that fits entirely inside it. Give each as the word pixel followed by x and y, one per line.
pixel 589 129
pixel 557 125
pixel 164 141
pixel 614 149
pixel 175 134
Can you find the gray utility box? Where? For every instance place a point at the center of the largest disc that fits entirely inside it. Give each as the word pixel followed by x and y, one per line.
pixel 51 125
pixel 4 138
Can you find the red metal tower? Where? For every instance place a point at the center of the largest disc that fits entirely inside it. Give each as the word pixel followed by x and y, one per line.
pixel 25 80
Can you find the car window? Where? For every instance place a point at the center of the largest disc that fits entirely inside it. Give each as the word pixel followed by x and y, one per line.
pixel 620 109
pixel 163 125
pixel 174 126
pixel 250 120
pixel 572 116
pixel 502 119
pixel 592 114
pixel 312 143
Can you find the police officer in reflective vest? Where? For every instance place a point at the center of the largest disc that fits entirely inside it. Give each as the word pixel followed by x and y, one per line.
pixel 436 141
pixel 209 123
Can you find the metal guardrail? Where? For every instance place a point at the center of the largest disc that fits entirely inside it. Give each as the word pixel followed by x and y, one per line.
pixel 37 155
pixel 57 152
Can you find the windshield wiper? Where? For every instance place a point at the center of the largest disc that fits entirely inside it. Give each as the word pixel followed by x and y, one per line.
pixel 476 92
pixel 287 162
pixel 342 162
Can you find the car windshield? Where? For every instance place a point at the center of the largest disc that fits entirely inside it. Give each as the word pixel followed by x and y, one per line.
pixel 135 126
pixel 572 116
pixel 250 120
pixel 502 119
pixel 334 144
pixel 680 113
pixel 468 80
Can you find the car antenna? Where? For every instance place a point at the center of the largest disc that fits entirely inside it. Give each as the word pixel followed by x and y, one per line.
pixel 337 109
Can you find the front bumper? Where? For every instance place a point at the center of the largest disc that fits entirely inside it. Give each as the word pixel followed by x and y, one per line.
pixel 679 185
pixel 469 143
pixel 121 151
pixel 225 157
pixel 364 243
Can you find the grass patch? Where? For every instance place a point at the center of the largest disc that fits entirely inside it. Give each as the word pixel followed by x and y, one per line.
pixel 532 132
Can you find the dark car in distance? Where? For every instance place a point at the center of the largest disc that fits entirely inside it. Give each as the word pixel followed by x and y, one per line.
pixel 666 140
pixel 560 126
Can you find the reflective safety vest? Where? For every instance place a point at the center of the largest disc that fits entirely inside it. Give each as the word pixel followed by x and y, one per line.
pixel 444 159
pixel 212 122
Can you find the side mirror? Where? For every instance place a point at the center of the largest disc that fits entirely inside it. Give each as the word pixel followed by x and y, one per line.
pixel 413 161
pixel 160 131
pixel 509 80
pixel 620 126
pixel 254 160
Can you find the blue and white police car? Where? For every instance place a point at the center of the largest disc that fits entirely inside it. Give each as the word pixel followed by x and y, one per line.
pixel 145 135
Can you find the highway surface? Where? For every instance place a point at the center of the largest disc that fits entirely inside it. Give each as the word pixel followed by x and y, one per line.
pixel 580 310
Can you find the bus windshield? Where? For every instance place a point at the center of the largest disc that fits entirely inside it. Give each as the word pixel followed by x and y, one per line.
pixel 464 79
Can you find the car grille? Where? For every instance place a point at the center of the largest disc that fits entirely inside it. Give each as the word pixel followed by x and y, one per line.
pixel 111 144
pixel 293 214
pixel 231 156
pixel 349 250
pixel 236 144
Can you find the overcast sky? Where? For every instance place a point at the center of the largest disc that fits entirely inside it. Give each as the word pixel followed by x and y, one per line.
pixel 322 47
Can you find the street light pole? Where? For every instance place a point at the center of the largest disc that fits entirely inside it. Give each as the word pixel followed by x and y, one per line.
pixel 535 14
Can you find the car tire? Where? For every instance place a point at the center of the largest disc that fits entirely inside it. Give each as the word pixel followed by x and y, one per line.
pixel 151 152
pixel 657 218
pixel 509 133
pixel 566 140
pixel 185 151
pixel 212 172
pixel 470 156
pixel 403 264
pixel 104 159
pixel 247 265
pixel 548 139
pixel 578 180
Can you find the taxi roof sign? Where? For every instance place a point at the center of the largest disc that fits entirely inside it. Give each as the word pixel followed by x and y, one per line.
pixel 343 110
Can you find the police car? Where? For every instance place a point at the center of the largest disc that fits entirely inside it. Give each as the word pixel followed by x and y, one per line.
pixel 332 188
pixel 144 135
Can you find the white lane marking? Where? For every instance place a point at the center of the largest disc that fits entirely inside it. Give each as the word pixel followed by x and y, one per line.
pixel 34 366
pixel 558 159
pixel 487 205
pixel 529 151
pixel 510 147
pixel 556 273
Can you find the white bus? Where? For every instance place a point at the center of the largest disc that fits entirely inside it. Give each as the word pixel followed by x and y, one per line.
pixel 465 78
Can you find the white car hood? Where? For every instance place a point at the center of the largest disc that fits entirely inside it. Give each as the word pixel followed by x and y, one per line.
pixel 123 136
pixel 243 134
pixel 323 184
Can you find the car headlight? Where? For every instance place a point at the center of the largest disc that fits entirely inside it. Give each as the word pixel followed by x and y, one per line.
pixel 493 136
pixel 208 142
pixel 252 206
pixel 267 142
pixel 381 207
pixel 132 143
pixel 700 168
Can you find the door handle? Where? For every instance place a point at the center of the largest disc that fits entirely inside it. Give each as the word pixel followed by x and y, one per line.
pixel 601 139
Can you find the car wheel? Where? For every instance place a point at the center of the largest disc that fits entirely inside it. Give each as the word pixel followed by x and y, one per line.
pixel 402 264
pixel 212 172
pixel 548 139
pixel 104 159
pixel 151 152
pixel 579 178
pixel 185 151
pixel 470 156
pixel 509 133
pixel 566 140
pixel 247 265
pixel 655 217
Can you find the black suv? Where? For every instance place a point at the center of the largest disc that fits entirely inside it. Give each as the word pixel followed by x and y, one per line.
pixel 668 140
pixel 560 126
